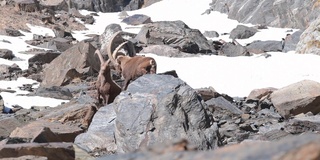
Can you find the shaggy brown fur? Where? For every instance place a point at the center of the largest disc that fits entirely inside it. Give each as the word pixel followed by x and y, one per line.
pixel 132 66
pixel 106 87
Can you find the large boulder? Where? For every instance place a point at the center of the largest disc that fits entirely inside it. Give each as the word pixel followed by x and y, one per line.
pixel 75 61
pixel 300 97
pixel 176 34
pixel 289 14
pixel 154 109
pixel 159 109
pixel 309 43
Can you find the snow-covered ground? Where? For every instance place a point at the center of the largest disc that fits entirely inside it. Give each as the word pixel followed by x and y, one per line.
pixel 235 76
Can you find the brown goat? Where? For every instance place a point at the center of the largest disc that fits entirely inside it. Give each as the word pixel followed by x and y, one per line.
pixel 130 67
pixel 106 87
pixel 134 67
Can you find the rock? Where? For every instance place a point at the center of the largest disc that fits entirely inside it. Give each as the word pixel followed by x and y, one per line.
pixel 208 93
pixel 306 146
pixel 57 44
pixel 257 94
pixel 78 59
pixel 27 5
pixel 42 57
pixel 61 33
pixel 10 122
pixel 137 4
pixel 159 109
pixel 222 105
pixel 164 50
pixel 74 113
pixel 99 5
pixel 232 50
pixel 274 13
pixel 303 124
pixel 300 97
pixel 106 36
pixel 308 43
pixel 61 132
pixel 49 150
pixel 6 54
pixel 99 139
pixel 55 5
pixel 171 73
pixel 211 34
pixel 176 34
pixel 137 19
pixel 264 46
pixel 13 32
pixel 291 41
pixel 242 32
pixel 39 135
pixel 54 92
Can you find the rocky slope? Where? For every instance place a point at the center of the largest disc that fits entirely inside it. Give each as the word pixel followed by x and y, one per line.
pixel 159 115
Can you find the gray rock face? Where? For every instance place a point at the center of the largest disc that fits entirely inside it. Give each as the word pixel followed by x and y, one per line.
pixel 275 13
pixel 159 109
pixel 176 34
pixel 154 109
pixel 309 44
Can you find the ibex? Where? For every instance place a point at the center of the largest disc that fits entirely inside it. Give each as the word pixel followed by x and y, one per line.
pixel 131 67
pixel 106 87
